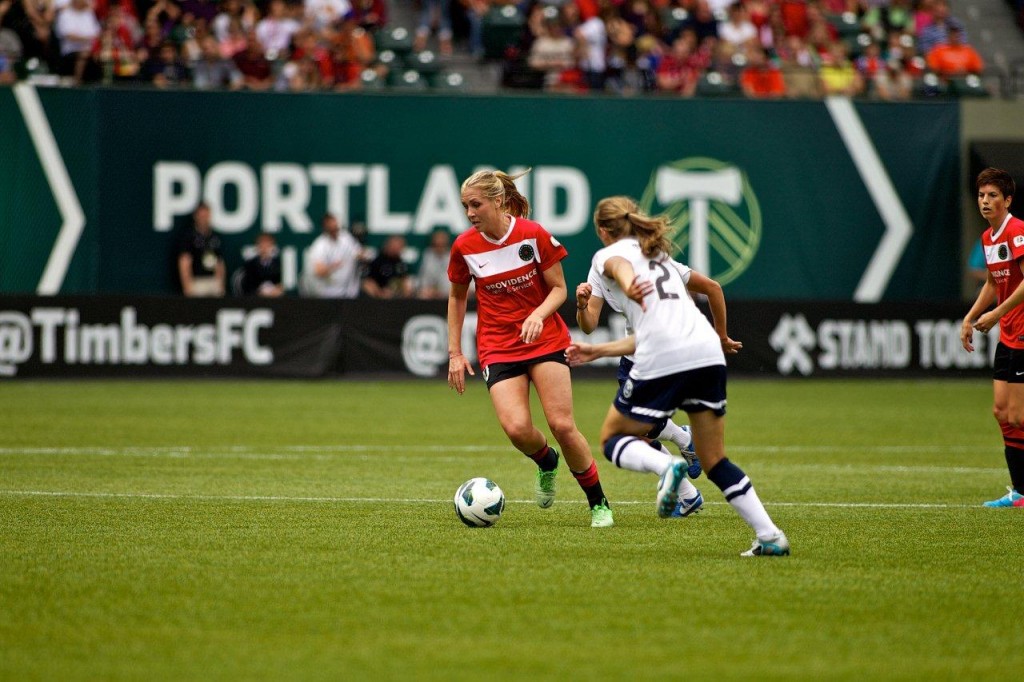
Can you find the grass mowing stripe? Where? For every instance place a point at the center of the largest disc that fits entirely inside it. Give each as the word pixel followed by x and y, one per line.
pixel 385 500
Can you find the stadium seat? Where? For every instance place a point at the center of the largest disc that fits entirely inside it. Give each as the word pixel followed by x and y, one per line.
pixel 426 64
pixel 846 23
pixel 672 17
pixel 968 86
pixel 502 28
pixel 714 84
pixel 371 80
pixel 410 79
pixel 397 40
pixel 449 82
pixel 929 85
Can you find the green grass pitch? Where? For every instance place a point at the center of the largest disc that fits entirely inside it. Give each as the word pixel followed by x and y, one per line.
pixel 304 530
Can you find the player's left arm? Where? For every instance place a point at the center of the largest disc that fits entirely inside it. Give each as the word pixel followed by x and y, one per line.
pixel 992 317
pixel 558 292
pixel 716 300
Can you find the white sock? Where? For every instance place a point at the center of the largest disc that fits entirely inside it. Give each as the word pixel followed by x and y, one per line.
pixel 686 489
pixel 636 454
pixel 675 433
pixel 748 505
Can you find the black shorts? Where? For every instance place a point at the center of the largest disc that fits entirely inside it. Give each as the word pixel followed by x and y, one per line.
pixel 695 390
pixel 499 371
pixel 1008 364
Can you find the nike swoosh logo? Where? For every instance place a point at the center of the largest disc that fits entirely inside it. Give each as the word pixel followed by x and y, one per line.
pixel 1020 373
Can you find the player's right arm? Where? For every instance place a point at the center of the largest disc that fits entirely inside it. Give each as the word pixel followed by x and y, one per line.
pixel 986 297
pixel 458 365
pixel 581 353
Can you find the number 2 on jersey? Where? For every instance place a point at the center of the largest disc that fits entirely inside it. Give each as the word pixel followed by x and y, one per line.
pixel 659 283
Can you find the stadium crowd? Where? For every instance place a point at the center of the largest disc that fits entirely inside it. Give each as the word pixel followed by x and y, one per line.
pixel 890 49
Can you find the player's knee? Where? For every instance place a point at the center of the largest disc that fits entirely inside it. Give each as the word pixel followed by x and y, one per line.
pixel 518 431
pixel 610 445
pixel 563 429
pixel 999 412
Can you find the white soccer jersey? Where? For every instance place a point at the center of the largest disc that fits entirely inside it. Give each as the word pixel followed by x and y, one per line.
pixel 598 289
pixel 672 335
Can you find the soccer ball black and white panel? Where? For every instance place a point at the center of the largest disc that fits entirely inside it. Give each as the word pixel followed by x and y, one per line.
pixel 479 502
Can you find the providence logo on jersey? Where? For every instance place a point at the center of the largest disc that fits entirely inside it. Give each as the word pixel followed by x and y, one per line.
pixel 714 211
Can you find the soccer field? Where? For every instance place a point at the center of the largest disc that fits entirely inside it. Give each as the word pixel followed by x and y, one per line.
pixel 304 530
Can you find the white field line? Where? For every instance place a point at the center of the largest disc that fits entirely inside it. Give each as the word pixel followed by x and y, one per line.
pixel 413 500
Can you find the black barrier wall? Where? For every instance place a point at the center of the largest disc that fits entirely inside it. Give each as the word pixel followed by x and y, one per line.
pixel 70 337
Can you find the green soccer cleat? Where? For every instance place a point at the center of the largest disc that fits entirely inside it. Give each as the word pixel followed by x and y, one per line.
pixel 601 517
pixel 544 488
pixel 1007 500
pixel 774 546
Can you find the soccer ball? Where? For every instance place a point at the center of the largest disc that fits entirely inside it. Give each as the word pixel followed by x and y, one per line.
pixel 479 502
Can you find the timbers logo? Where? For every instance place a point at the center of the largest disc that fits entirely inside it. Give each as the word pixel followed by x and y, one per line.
pixel 714 213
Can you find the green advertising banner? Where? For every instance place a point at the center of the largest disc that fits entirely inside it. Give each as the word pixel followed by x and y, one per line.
pixel 784 200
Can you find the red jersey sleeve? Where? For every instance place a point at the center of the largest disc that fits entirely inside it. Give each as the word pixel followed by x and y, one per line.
pixel 458 271
pixel 1016 238
pixel 551 250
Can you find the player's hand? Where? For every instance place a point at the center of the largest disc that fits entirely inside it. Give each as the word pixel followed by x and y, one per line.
pixel 730 347
pixel 532 328
pixel 583 292
pixel 967 336
pixel 984 323
pixel 579 354
pixel 638 289
pixel 458 365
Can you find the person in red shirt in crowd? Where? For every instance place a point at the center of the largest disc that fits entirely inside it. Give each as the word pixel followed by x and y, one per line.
pixel 1003 244
pixel 679 70
pixel 955 58
pixel 520 337
pixel 760 78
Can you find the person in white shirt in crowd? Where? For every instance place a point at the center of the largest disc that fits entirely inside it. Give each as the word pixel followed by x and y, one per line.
pixel 333 263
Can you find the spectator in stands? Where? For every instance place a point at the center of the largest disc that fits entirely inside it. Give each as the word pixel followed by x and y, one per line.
pixel 799 64
pixel 956 58
pixel 592 38
pixel 274 32
pixel 261 274
pixel 352 51
pixel 882 19
pixel 475 11
pixel 760 78
pixel 553 52
pixel 116 51
pixel 256 70
pixel 232 11
pixel 679 70
pixel 388 275
pixel 10 51
pixel 432 278
pixel 434 13
pixel 33 22
pixel 621 36
pixel 165 69
pixel 332 263
pixel 937 32
pixel 322 14
pixel 838 75
pixel 738 29
pixel 77 28
pixel 701 21
pixel 200 257
pixel 370 15
pixel 214 71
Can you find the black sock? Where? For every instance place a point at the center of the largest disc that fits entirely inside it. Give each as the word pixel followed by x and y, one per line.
pixel 1015 463
pixel 591 485
pixel 547 461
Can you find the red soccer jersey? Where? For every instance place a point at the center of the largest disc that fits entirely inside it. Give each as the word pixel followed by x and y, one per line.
pixel 509 286
pixel 1004 247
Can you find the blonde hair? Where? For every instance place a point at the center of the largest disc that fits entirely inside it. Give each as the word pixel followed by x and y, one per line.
pixel 621 217
pixel 500 187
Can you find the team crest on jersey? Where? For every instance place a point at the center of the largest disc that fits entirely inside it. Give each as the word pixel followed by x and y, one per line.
pixel 1018 240
pixel 997 253
pixel 627 389
pixel 526 252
